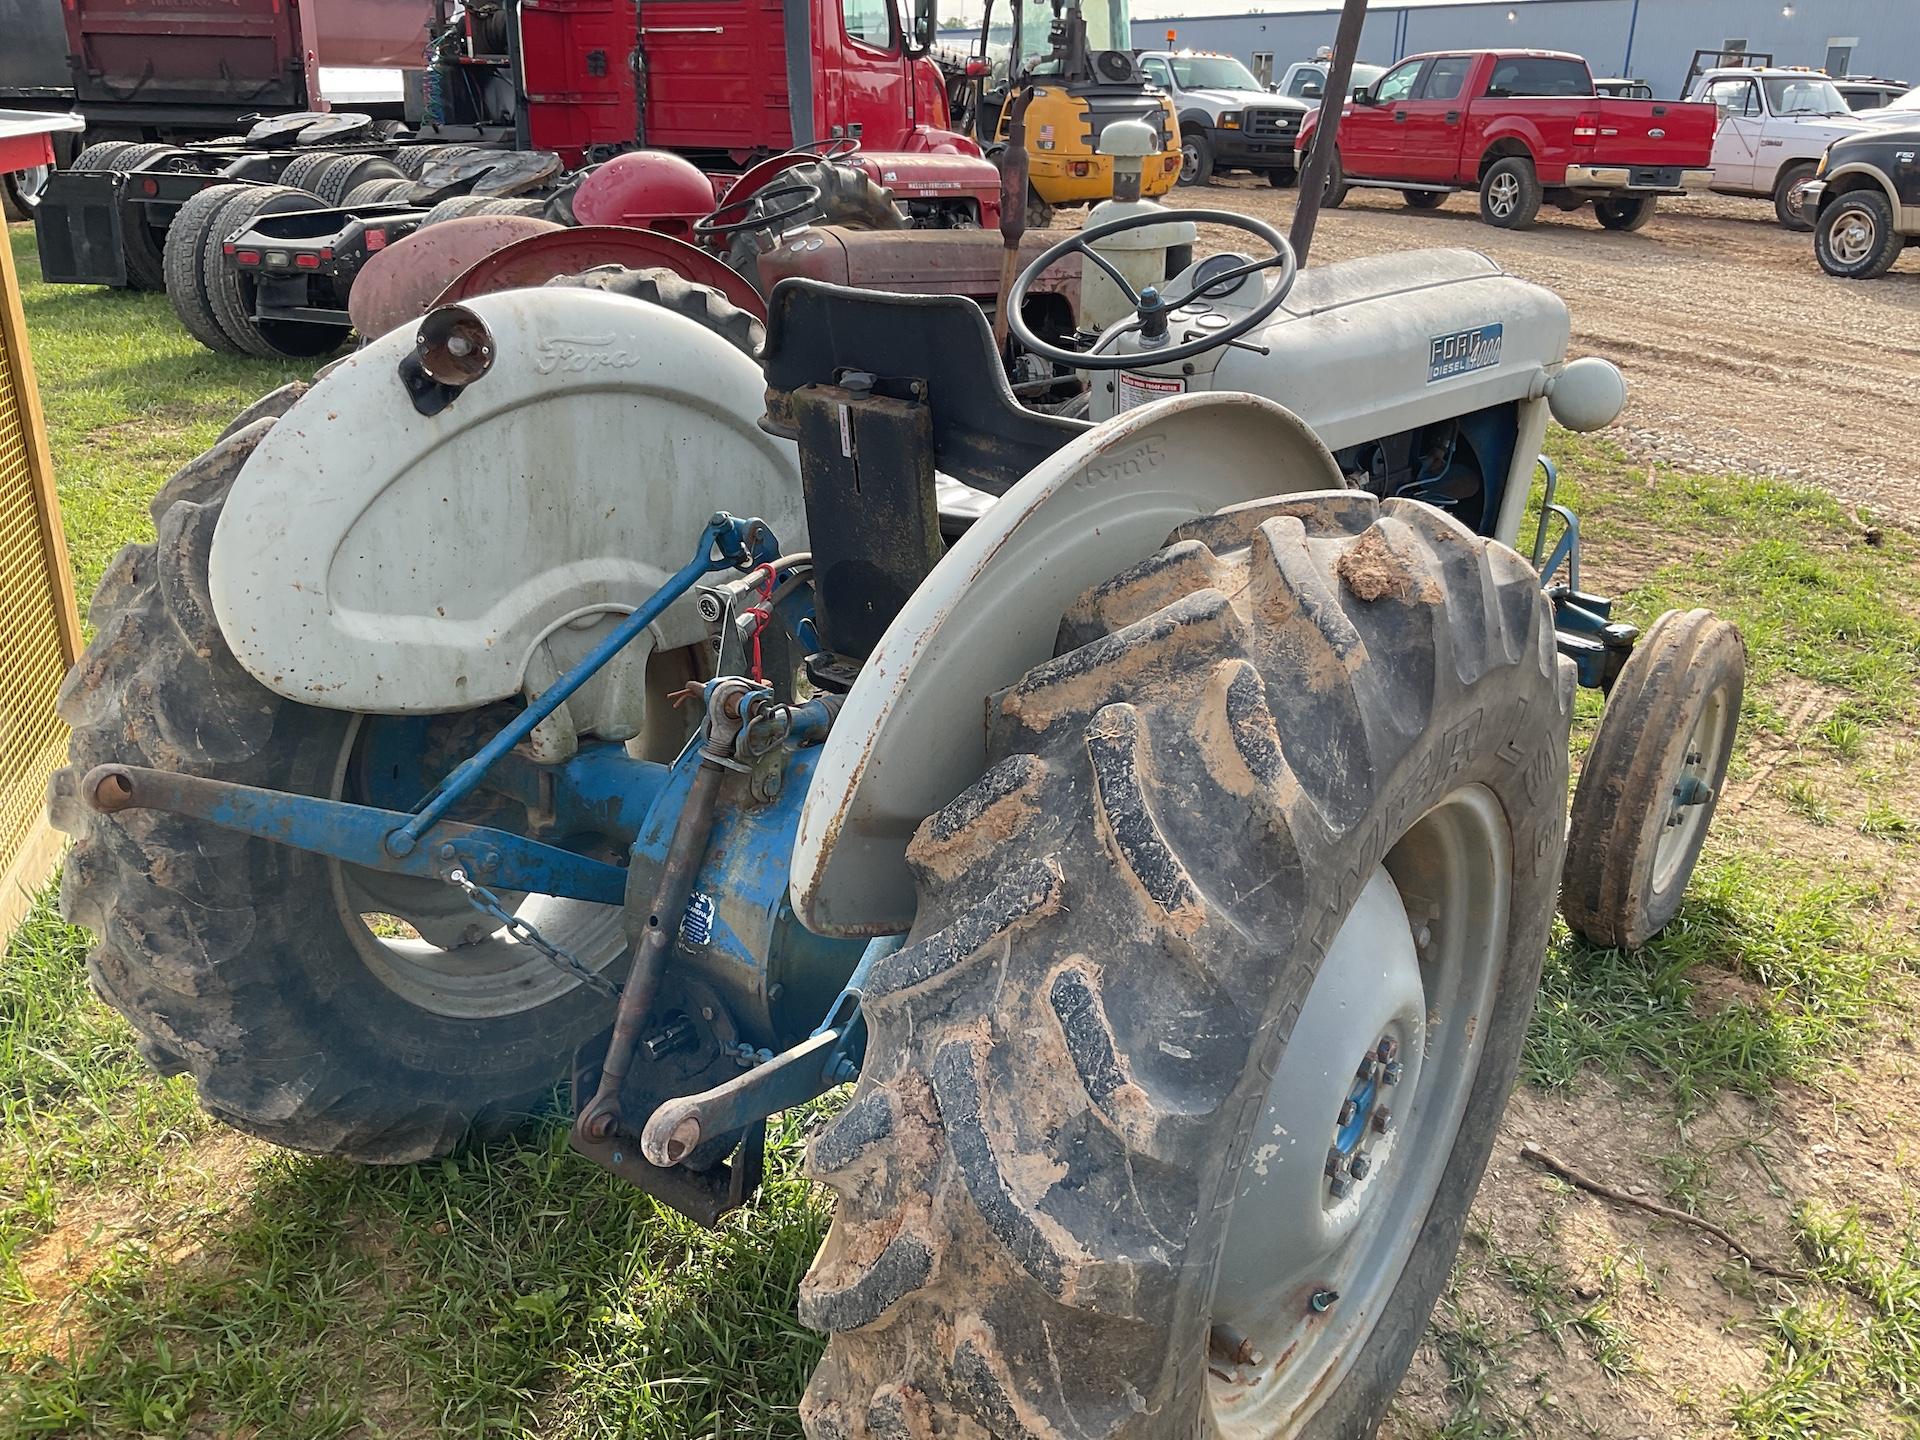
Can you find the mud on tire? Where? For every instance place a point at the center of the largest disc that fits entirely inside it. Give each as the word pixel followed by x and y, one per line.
pixel 1117 928
pixel 230 956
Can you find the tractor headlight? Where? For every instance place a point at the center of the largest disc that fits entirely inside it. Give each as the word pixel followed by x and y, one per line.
pixel 1230 120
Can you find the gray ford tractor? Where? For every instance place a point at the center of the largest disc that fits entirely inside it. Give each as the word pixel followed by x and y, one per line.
pixel 1157 821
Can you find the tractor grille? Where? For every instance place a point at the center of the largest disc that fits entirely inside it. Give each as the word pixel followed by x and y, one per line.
pixel 33 653
pixel 1272 124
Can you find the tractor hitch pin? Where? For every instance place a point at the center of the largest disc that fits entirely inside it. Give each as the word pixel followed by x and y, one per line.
pixel 726 712
pixel 725 543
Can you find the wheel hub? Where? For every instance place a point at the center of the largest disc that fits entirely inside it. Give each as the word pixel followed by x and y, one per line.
pixel 1691 797
pixel 1852 238
pixel 1502 195
pixel 1359 1120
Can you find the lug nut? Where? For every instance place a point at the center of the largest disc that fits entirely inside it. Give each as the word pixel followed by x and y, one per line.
pixel 1336 1162
pixel 1388 1049
pixel 1347 1110
pixel 1390 1074
pixel 1339 1185
pixel 1382 1120
pixel 1360 1167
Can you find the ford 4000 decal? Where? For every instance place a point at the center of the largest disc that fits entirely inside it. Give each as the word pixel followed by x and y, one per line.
pixel 1460 352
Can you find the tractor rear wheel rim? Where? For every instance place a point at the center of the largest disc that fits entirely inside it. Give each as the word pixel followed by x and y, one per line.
pixel 1394 1022
pixel 1503 194
pixel 1691 794
pixel 1852 237
pixel 478 972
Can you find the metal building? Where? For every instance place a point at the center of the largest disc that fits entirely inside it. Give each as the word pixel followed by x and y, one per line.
pixel 1651 40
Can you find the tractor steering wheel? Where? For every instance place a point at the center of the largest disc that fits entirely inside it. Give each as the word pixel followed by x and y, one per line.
pixel 1151 309
pixel 838 148
pixel 713 228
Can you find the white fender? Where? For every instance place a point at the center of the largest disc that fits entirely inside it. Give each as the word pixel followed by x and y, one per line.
pixel 912 733
pixel 372 558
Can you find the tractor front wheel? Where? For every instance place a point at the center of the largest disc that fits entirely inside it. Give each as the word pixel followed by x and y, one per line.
pixel 1175 1102
pixel 326 1008
pixel 1652 778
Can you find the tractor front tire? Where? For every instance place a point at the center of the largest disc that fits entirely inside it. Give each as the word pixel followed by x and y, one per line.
pixel 1318 729
pixel 235 959
pixel 1652 778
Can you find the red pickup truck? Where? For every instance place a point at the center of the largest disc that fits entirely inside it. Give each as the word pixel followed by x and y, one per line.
pixel 1523 127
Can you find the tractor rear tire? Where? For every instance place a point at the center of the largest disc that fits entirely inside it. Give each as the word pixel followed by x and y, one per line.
pixel 187 239
pixel 1076 1065
pixel 1631 849
pixel 668 289
pixel 232 957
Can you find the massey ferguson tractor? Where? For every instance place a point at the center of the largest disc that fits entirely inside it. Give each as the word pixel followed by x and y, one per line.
pixel 1157 820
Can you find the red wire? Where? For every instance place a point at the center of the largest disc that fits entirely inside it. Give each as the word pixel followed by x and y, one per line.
pixel 762 615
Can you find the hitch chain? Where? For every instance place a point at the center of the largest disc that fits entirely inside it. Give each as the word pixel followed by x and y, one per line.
pixel 487 903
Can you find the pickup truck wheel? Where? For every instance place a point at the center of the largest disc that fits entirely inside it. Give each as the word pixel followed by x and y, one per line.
pixel 1855 237
pixel 1334 194
pixel 1424 199
pixel 1282 179
pixel 1783 207
pixel 1123 1086
pixel 1510 194
pixel 1652 779
pixel 1196 158
pixel 1628 214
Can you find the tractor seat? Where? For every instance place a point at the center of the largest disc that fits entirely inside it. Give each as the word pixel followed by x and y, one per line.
pixel 933 346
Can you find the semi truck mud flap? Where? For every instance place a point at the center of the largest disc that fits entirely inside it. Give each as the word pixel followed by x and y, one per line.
pixel 77 224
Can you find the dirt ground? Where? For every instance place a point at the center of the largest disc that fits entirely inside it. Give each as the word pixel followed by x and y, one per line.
pixel 1740 353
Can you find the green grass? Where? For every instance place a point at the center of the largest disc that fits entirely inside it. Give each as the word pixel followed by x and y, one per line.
pixel 520 1291
pixel 129 397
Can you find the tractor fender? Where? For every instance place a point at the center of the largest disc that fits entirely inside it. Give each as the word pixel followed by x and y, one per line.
pixel 912 733
pixel 375 559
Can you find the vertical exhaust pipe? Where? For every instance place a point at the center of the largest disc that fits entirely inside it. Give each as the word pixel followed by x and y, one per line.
pixel 1326 134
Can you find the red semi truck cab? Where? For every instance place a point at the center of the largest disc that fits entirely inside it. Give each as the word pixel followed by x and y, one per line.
pixel 1523 127
pixel 732 79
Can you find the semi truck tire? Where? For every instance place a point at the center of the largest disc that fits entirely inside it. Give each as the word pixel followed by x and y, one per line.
pixel 1652 778
pixel 1103 1118
pixel 230 290
pixel 348 171
pixel 1510 194
pixel 143 247
pixel 1783 209
pixel 240 961
pixel 303 171
pixel 185 267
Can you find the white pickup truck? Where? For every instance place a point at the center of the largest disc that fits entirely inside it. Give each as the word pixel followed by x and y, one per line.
pixel 1774 127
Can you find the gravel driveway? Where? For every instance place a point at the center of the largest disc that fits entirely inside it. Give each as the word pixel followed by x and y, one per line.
pixel 1740 354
